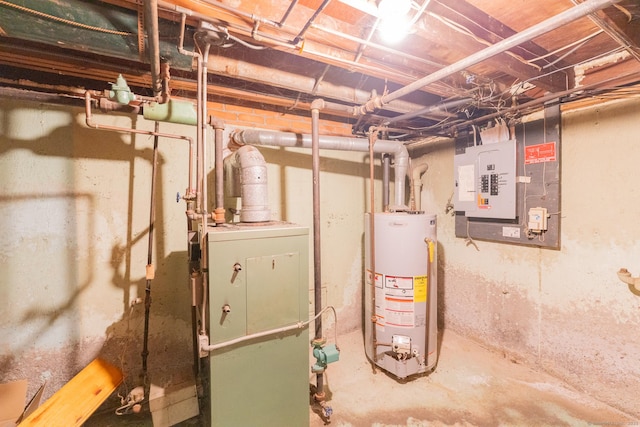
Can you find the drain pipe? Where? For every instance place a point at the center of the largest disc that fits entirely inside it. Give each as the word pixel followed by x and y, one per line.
pixel 570 15
pixel 290 139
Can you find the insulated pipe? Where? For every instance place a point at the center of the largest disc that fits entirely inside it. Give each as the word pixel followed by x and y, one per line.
pixel 306 84
pixel 316 105
pixel 583 9
pixel 290 139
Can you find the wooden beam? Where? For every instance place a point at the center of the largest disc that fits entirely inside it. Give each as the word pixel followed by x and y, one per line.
pixel 489 29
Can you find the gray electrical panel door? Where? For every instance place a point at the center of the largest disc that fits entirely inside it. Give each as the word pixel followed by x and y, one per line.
pixel 485 181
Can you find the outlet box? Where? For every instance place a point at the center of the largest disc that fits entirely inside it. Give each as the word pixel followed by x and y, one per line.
pixel 537 220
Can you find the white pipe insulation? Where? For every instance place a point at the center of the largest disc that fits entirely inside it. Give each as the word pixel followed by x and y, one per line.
pixel 290 139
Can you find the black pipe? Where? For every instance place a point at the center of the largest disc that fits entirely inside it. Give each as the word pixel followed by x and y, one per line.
pixel 318 11
pixel 147 290
pixel 286 14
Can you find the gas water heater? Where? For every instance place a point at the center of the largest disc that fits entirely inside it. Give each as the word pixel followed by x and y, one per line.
pixel 401 295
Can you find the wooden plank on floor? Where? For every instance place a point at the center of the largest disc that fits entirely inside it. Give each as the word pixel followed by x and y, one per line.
pixel 79 398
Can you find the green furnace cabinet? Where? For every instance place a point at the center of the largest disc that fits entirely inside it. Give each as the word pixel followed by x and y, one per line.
pixel 258 281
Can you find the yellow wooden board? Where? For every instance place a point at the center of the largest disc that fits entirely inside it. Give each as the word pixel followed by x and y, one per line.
pixel 79 398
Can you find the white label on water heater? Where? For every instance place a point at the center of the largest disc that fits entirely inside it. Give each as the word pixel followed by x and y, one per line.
pixel 399 312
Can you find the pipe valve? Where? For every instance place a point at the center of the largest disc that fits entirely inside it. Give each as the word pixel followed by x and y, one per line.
pixel 324 355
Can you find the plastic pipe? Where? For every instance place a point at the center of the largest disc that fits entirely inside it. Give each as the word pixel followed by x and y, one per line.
pixel 290 139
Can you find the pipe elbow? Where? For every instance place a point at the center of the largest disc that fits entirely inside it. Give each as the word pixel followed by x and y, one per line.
pixel 317 104
pixel 625 276
pixel 216 123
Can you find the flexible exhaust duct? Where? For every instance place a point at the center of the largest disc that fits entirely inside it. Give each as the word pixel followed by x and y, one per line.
pixel 290 139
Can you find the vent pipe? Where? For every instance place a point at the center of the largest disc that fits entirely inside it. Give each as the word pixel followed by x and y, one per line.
pixel 252 173
pixel 290 139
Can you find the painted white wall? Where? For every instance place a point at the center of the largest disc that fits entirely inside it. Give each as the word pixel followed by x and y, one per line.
pixel 74 212
pixel 74 208
pixel 565 311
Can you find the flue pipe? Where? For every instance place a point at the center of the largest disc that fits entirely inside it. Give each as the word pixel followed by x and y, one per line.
pixel 570 15
pixel 290 139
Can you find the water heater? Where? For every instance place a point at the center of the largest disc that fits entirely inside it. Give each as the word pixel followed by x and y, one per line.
pixel 401 295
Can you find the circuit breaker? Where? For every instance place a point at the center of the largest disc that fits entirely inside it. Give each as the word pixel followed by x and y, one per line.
pixel 485 181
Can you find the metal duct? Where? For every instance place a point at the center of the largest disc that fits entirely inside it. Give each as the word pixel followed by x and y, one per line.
pixel 290 139
pixel 252 171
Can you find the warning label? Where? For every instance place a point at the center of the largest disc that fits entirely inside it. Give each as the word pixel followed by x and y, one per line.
pixel 540 153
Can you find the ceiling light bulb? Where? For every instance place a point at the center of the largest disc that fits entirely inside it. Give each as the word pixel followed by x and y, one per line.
pixel 393 8
pixel 393 28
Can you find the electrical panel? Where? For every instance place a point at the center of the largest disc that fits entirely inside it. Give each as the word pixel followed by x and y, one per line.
pixel 485 181
pixel 532 217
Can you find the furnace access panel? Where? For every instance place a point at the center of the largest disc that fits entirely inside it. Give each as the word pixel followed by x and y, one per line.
pixel 485 181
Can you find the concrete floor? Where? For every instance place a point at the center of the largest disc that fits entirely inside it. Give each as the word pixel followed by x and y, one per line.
pixel 470 386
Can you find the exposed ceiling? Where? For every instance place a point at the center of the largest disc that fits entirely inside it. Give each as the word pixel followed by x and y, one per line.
pixel 281 54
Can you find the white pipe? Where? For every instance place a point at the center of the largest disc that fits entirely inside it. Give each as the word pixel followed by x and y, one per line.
pixel 299 325
pixel 416 182
pixel 290 139
pixel 253 184
pixel 530 33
